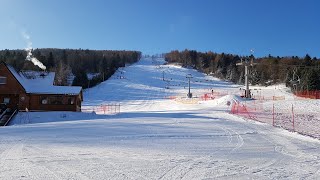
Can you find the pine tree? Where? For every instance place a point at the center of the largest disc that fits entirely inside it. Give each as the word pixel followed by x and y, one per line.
pixel 313 81
pixel 81 79
pixel 307 60
pixel 50 63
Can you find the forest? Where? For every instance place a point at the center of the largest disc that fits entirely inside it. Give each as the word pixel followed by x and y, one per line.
pixel 299 73
pixel 76 62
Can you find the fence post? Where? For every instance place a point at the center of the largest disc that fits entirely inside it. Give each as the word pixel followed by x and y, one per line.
pixel 292 117
pixel 273 114
pixel 232 108
pixel 237 107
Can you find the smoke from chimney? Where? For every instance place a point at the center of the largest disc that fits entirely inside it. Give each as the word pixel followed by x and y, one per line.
pixel 30 57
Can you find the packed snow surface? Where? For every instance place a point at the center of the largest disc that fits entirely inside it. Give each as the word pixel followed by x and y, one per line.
pixel 158 134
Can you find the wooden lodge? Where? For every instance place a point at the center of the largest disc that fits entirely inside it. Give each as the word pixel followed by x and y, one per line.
pixel 36 92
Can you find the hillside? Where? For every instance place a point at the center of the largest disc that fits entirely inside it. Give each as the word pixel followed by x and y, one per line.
pixel 159 133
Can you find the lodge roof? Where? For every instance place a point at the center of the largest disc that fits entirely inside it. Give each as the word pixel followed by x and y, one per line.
pixel 42 84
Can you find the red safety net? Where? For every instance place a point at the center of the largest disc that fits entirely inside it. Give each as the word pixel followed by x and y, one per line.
pixel 284 115
pixel 308 94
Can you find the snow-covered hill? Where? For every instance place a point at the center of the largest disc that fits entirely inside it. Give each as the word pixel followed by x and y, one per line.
pixel 155 136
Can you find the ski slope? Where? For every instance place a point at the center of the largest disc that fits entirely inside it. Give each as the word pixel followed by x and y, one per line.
pixel 155 137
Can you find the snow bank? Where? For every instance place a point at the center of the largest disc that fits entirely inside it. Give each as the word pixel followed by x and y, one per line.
pixel 224 100
pixel 56 116
pixel 229 98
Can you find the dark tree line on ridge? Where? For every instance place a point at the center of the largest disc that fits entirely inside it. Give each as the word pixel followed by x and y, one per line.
pixel 78 62
pixel 298 73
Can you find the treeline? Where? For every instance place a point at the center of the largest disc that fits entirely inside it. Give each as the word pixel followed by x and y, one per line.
pixel 78 62
pixel 298 73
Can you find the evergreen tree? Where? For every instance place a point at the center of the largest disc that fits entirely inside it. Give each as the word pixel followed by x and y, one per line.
pixel 307 60
pixel 50 59
pixel 313 81
pixel 81 79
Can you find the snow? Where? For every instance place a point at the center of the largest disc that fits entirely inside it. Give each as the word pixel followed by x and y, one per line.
pixel 43 84
pixel 155 137
pixel 92 75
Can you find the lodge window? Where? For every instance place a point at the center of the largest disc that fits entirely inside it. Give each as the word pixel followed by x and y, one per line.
pixel 55 100
pixel 43 100
pixel 3 80
pixel 6 100
pixel 70 100
pixel 51 100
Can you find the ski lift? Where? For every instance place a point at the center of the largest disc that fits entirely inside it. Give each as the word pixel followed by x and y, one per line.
pixel 295 77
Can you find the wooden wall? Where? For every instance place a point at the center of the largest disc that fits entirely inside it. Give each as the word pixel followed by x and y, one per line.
pixel 12 89
pixel 36 105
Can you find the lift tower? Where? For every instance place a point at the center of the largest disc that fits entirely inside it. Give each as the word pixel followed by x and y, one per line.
pixel 246 63
pixel 189 76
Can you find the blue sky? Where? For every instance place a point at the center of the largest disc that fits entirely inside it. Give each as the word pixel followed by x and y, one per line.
pixel 277 27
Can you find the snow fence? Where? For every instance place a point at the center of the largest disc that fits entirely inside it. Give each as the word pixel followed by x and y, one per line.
pixel 281 113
